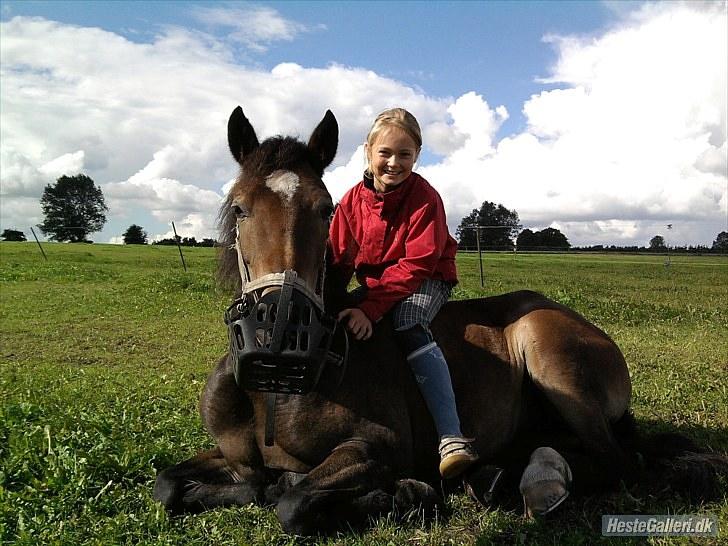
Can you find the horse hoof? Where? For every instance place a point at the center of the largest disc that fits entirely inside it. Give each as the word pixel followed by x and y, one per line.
pixel 545 482
pixel 413 497
pixel 483 484
pixel 286 481
pixel 538 502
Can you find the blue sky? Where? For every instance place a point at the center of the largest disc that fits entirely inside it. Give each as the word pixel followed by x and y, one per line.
pixel 539 105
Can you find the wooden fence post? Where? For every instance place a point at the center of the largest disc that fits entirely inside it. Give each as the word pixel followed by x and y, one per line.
pixel 176 239
pixel 37 241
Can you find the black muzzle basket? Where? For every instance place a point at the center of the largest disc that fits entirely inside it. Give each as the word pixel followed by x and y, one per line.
pixel 279 342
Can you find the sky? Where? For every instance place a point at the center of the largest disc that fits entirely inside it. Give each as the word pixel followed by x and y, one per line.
pixel 605 120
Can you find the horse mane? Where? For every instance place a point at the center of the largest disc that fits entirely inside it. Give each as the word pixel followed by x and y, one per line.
pixel 228 274
pixel 275 153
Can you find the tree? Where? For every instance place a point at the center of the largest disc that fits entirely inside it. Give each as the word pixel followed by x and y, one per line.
pixel 135 235
pixel 13 235
pixel 721 242
pixel 552 238
pixel 657 243
pixel 501 227
pixel 527 240
pixel 549 238
pixel 73 208
pixel 465 233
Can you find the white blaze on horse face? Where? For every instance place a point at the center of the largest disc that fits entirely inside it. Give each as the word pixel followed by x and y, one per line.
pixel 284 183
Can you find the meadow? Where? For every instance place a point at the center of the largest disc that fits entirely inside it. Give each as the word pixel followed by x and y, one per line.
pixel 104 351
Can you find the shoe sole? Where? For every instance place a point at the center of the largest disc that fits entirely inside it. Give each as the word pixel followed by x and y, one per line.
pixel 455 465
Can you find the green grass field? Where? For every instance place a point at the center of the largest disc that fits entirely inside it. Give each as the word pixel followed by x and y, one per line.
pixel 104 351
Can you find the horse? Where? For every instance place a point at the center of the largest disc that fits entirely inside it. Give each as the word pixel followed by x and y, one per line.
pixel 333 432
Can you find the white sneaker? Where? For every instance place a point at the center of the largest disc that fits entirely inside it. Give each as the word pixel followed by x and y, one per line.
pixel 456 455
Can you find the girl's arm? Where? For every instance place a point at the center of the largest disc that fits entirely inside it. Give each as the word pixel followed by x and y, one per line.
pixel 342 251
pixel 426 241
pixel 342 246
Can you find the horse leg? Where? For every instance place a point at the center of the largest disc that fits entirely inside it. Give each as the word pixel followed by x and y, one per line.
pixel 233 472
pixel 206 481
pixel 583 376
pixel 599 461
pixel 348 487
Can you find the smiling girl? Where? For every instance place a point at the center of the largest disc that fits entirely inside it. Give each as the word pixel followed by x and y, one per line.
pixel 390 230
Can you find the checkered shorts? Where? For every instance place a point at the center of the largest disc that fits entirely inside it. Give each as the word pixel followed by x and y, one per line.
pixel 422 306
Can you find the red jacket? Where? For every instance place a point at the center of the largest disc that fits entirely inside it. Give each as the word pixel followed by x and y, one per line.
pixel 393 241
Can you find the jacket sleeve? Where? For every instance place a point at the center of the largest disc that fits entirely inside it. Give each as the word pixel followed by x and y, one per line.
pixel 426 240
pixel 342 247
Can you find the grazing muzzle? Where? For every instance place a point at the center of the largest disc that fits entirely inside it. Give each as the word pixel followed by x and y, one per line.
pixel 280 339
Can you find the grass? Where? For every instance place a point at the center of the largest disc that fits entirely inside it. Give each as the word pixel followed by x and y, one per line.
pixel 104 351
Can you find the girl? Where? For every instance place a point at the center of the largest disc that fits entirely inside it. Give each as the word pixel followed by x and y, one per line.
pixel 390 229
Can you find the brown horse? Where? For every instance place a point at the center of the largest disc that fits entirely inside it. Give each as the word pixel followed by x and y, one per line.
pixel 349 436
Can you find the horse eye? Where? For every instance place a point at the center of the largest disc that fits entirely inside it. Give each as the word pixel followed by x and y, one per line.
pixel 239 212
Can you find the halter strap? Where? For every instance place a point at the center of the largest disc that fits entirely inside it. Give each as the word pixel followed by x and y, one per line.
pixel 289 283
pixel 242 266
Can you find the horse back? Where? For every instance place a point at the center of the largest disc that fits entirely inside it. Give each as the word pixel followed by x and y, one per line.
pixel 501 350
pixel 503 309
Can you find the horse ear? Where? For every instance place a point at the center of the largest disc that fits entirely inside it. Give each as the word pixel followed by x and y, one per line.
pixel 325 139
pixel 241 135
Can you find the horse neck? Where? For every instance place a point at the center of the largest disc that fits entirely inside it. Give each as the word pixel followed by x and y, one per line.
pixel 335 294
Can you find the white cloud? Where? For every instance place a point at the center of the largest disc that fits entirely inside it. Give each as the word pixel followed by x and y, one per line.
pixel 634 137
pixel 148 120
pixel 343 177
pixel 196 225
pixel 163 197
pixel 629 135
pixel 255 27
pixel 67 163
pixel 19 177
pixel 21 213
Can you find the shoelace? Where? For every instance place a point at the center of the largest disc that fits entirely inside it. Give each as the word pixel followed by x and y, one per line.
pixel 452 445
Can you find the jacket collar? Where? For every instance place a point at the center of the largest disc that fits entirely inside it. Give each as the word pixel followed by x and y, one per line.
pixel 390 199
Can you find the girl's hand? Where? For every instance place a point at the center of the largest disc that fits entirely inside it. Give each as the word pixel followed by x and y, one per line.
pixel 357 323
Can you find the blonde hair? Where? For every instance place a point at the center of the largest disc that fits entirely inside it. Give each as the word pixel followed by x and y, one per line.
pixel 396 117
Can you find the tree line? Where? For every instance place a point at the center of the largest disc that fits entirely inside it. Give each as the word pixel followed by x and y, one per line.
pixel 494 227
pixel 186 241
pixel 74 207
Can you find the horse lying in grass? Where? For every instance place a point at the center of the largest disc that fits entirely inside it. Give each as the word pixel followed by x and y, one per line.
pixel 333 435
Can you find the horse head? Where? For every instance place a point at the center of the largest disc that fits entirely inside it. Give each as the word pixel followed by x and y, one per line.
pixel 277 212
pixel 275 223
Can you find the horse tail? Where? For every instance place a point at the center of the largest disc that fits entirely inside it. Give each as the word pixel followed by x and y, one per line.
pixel 673 461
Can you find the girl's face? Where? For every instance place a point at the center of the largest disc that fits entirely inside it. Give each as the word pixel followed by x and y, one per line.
pixel 391 158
